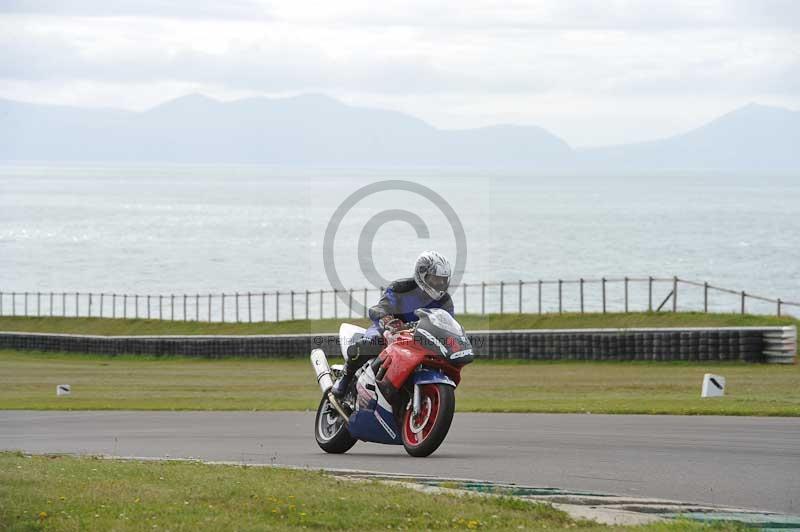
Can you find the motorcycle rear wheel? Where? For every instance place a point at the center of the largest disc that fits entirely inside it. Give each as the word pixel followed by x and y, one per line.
pixel 424 433
pixel 330 430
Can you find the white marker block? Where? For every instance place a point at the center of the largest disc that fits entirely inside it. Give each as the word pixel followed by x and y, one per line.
pixel 63 389
pixel 713 385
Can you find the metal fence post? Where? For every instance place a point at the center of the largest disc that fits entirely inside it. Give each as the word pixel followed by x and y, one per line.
pixel 350 304
pixel 675 294
pixel 626 294
pixel 113 305
pixel 77 304
pixel 581 286
pixel 209 307
pixel 291 295
pixel 263 307
pixel 604 295
pixel 90 304
pixel 744 295
pixel 519 297
pixel 249 308
pixel 483 298
pixel 465 298
pixel 197 307
pixel 650 294
pixel 539 294
pixel 779 307
pixel 277 305
pixel 335 303
pixel 135 305
pixel 184 308
pixel 13 303
pixel 705 297
pixel 148 305
pixel 172 307
pixel 160 307
pixel 25 307
pixel 502 286
pixel 236 301
pixel 222 306
pixel 38 303
pixel 125 306
pixel 365 303
pixel 320 303
pixel 51 304
pixel 560 304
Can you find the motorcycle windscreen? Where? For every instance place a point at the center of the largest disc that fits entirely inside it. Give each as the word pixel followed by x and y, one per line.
pixel 439 331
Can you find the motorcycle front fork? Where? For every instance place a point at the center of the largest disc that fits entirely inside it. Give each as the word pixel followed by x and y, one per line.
pixel 416 400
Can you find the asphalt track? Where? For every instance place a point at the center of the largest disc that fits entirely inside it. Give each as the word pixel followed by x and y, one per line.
pixel 736 461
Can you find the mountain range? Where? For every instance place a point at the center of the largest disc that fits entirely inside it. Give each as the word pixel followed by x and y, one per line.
pixel 318 130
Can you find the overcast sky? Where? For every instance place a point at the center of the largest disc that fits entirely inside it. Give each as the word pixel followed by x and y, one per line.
pixel 594 73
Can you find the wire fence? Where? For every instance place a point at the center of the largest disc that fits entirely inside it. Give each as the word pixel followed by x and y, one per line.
pixel 625 294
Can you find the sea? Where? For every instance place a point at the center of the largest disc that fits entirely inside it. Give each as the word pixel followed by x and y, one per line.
pixel 166 229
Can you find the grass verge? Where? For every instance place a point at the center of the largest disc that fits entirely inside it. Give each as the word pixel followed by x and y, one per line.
pixel 471 322
pixel 64 494
pixel 28 381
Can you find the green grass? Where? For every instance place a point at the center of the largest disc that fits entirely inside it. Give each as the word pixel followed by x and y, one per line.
pixel 471 322
pixel 68 494
pixel 28 381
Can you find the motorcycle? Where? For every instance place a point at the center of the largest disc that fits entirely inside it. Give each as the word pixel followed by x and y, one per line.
pixel 405 396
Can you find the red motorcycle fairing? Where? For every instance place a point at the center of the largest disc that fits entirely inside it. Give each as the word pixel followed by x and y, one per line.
pixel 402 356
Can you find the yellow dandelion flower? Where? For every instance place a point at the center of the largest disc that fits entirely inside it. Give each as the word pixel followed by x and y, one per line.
pixel 42 516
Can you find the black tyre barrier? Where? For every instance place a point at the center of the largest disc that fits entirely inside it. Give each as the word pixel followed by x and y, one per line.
pixel 749 344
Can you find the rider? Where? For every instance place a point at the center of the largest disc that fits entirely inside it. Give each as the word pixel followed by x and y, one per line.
pixel 427 289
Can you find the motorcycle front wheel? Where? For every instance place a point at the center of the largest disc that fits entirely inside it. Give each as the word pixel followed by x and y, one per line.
pixel 424 433
pixel 330 429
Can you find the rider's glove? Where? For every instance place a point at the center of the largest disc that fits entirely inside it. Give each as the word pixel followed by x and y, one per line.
pixel 391 323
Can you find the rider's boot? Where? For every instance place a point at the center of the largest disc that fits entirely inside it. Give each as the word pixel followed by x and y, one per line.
pixel 357 353
pixel 339 388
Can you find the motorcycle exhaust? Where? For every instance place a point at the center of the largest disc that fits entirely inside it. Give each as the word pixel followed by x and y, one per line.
pixel 325 380
pixel 322 369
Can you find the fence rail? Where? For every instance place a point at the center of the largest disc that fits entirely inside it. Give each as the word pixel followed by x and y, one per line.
pixel 503 297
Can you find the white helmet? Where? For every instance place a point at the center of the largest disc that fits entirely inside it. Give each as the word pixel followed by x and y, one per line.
pixel 432 273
